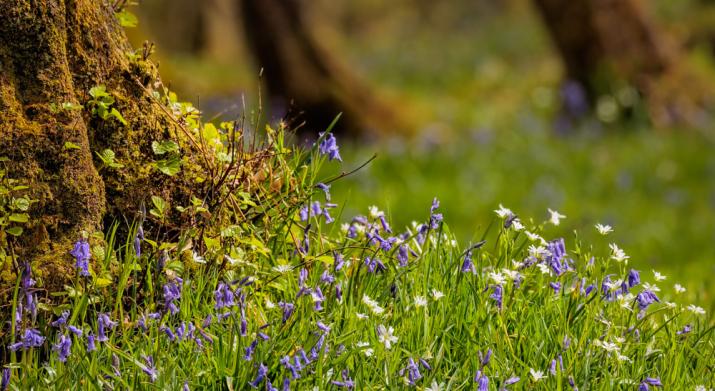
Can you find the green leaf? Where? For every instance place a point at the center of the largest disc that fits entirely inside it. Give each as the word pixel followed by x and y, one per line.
pixel 126 18
pixel 108 158
pixel 165 146
pixel 98 92
pixel 22 203
pixel 69 106
pixel 115 113
pixel 71 145
pixel 19 217
pixel 159 207
pixel 14 231
pixel 102 282
pixel 169 166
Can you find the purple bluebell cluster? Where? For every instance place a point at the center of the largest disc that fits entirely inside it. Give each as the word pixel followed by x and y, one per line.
pixel 329 147
pixel 81 254
pixel 104 322
pixel 172 294
pixel 31 338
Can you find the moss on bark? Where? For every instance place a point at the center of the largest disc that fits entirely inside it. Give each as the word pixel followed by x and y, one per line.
pixel 52 52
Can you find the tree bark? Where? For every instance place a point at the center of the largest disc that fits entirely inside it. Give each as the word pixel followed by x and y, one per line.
pixel 52 52
pixel 305 79
pixel 602 41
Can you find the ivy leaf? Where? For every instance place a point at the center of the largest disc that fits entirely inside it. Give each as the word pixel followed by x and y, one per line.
pixel 165 146
pixel 169 166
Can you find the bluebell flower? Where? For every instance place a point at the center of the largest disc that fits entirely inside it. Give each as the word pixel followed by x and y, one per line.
pixel 81 254
pixel 63 347
pixel 329 146
pixel 262 372
pixel 497 295
pixel 485 358
pixel 403 255
pixel 325 188
pixel 653 381
pixel 223 296
pixel 244 323
pixel 62 320
pixel 686 329
pixel 294 371
pixel 327 278
pixel 556 286
pixel 425 364
pixel 328 218
pixel 482 381
pixel 634 278
pixel 250 349
pixel 511 380
pixel 435 218
pixel 288 309
pixel 339 292
pixel 413 371
pixel 172 293
pixel 552 367
pixel 91 346
pixel 572 383
pixel 5 382
pixel 315 350
pixel 75 330
pixel 149 368
pixel 116 365
pixel 304 213
pixel 138 241
pixel 323 327
pixel 347 382
pixel 168 332
pixel 316 209
pixel 104 322
pixel 185 387
pixel 31 338
pixel 645 299
pixel 467 265
pixel 286 384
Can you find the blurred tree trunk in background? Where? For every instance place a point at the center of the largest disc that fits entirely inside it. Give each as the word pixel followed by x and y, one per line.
pixel 308 82
pixel 51 55
pixel 602 42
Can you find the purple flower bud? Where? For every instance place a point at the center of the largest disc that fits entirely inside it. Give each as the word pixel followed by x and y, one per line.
pixel 497 295
pixel 104 322
pixel 75 330
pixel 149 368
pixel 467 265
pixel 90 343
pixel 556 286
pixel 250 350
pixel 62 320
pixel 634 278
pixel 81 254
pixel 645 299
pixel 511 380
pixel 5 382
pixel 287 310
pixel 325 188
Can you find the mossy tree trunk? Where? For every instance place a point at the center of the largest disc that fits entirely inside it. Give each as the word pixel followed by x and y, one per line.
pixel 53 52
pixel 602 41
pixel 304 78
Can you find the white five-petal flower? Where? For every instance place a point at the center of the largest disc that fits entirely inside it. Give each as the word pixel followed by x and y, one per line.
pixel 679 288
pixel 536 375
pixel 386 336
pixel 503 212
pixel 555 217
pixel 658 277
pixel 604 229
pixel 696 310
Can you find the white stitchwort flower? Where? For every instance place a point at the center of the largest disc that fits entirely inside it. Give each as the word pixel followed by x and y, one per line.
pixel 435 387
pixel 679 288
pixel 696 310
pixel 536 375
pixel 498 278
pixel 282 268
pixel 373 305
pixel 658 276
pixel 543 268
pixel 420 301
pixel 617 254
pixel 651 287
pixel 386 336
pixel 503 212
pixel 555 217
pixel 197 258
pixel 368 352
pixel 437 294
pixel 517 225
pixel 269 304
pixel 538 252
pixel 604 229
pixel 375 212
pixel 361 316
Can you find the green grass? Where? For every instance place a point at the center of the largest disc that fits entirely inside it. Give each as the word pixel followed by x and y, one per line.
pixel 611 342
pixel 656 190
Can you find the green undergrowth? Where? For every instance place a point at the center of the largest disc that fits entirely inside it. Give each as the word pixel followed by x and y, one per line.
pixel 300 293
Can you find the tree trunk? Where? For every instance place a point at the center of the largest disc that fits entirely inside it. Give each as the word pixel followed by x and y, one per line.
pixel 53 52
pixel 605 41
pixel 303 78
